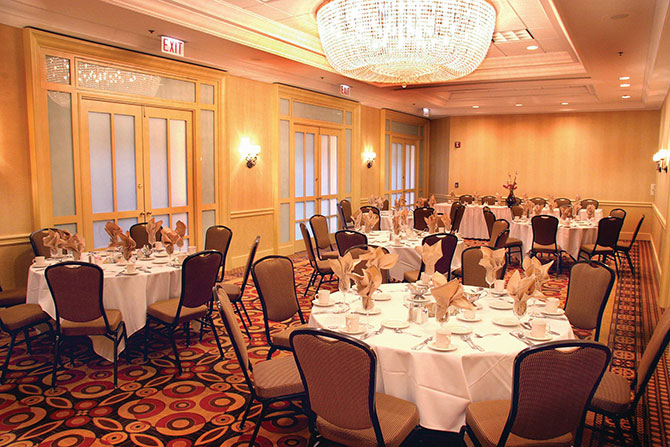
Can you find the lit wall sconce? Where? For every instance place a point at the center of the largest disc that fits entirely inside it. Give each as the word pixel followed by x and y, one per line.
pixel 369 157
pixel 661 159
pixel 249 152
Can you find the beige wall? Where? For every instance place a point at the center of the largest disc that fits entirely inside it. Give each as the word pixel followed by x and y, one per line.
pixel 660 214
pixel 370 138
pixel 15 190
pixel 439 156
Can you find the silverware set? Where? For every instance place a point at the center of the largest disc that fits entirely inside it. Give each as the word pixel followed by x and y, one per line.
pixel 472 344
pixel 520 336
pixel 422 344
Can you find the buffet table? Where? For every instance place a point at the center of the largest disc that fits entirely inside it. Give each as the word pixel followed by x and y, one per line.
pixel 569 236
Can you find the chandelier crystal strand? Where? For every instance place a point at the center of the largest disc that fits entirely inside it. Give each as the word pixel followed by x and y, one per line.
pixel 405 41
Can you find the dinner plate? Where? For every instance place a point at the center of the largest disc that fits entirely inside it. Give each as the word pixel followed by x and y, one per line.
pixel 395 324
pixel 161 254
pixel 460 330
pixel 547 337
pixel 451 347
pixel 506 321
pixel 373 311
pixel 498 293
pixel 130 274
pixel 500 305
pixel 381 296
pixel 558 313
pixel 361 329
pixel 420 300
pixel 160 261
pixel 317 304
pixel 469 320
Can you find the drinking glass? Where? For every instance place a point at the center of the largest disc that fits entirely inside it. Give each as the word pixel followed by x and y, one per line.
pixel 490 280
pixel 344 285
pixel 520 308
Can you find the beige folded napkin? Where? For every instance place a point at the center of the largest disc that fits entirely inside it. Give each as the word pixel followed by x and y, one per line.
pixel 52 241
pixel 476 198
pixel 578 198
pixel 498 198
pixel 377 257
pixel 452 196
pixel 172 238
pixel 432 221
pixel 590 211
pixel 527 207
pixel 533 267
pixel 113 230
pixel 152 228
pixel 432 201
pixel 492 260
pixel 342 267
pixel 400 203
pixel 76 245
pixel 537 210
pixel 421 202
pixel 404 215
pixel 366 284
pixel 127 244
pixel 376 200
pixel 566 212
pixel 430 254
pixel 575 209
pixel 448 294
pixel 551 203
pixel 397 224
pixel 370 220
pixel 519 289
pixel 446 220
pixel 357 218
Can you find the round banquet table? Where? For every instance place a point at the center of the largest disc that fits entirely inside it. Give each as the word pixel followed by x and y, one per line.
pixel 473 224
pixel 569 237
pixel 408 257
pixel 386 220
pixel 130 294
pixel 441 384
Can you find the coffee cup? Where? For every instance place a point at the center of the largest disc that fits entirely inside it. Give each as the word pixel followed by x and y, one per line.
pixel 323 297
pixel 158 245
pixel 191 249
pixel 131 269
pixel 499 285
pixel 538 329
pixel 552 305
pixel 442 337
pixel 351 322
pixel 425 279
pixel 40 261
pixel 469 314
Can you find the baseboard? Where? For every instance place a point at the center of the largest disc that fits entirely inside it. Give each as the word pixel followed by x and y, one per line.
pixel 241 260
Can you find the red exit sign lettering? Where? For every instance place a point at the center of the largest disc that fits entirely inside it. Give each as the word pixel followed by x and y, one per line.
pixel 345 90
pixel 173 46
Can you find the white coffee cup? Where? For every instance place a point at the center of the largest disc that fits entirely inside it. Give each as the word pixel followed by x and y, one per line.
pixel 324 297
pixel 40 261
pixel 191 249
pixel 499 285
pixel 442 337
pixel 158 245
pixel 351 322
pixel 131 268
pixel 552 305
pixel 425 279
pixel 538 328
pixel 469 314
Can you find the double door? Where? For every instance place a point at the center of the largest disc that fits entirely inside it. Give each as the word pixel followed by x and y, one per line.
pixel 136 163
pixel 403 170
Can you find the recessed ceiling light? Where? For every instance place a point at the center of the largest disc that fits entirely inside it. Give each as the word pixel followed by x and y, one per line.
pixel 624 78
pixel 475 107
pixel 564 103
pixel 532 47
pixel 624 85
pixel 625 96
pixel 518 105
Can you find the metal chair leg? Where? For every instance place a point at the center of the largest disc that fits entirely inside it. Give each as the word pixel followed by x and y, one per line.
pixel 246 411
pixel 27 338
pixel 216 335
pixel 270 352
pixel 9 354
pixel 56 360
pixel 245 312
pixel 174 349
pixel 258 425
pixel 239 314
pixel 630 263
pixel 187 330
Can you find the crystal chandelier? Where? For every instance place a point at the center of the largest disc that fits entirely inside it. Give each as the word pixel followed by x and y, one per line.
pixel 405 41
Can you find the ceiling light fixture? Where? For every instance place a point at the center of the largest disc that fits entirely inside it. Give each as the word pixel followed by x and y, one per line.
pixel 625 96
pixel 624 78
pixel 403 41
pixel 532 47
pixel 624 85
pixel 564 103
pixel 475 107
pixel 518 105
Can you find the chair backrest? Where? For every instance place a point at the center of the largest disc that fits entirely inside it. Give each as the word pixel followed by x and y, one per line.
pixel 544 229
pixel 385 205
pixel 473 273
pixel 275 282
pixel 652 354
pixel 502 239
pixel 420 215
pixel 338 373
pixel 517 210
pixel 539 201
pixel 37 242
pixel 589 289
pixel 319 225
pixel 198 277
pixel 76 289
pixel 309 248
pixel 234 333
pixel 609 229
pixel 562 201
pixel 618 212
pixel 457 218
pixel 587 202
pixel 488 200
pixel 637 230
pixel 346 209
pixel 499 225
pixel 138 232
pixel 466 198
pixel 489 218
pixel 552 386
pixel 449 242
pixel 345 239
pixel 357 250
pixel 250 261
pixel 218 238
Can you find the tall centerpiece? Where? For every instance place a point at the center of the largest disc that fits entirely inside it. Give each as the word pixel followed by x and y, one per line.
pixel 510 185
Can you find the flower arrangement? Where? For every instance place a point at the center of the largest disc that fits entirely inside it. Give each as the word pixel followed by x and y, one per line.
pixel 511 184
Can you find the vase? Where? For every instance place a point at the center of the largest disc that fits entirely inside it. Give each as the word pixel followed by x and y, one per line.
pixel 510 201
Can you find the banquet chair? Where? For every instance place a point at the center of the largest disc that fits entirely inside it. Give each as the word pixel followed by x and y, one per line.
pixel 138 232
pixel 348 238
pixel 268 381
pixel 551 388
pixel 320 268
pixel 501 240
pixel 420 215
pixel 218 238
pixel 545 229
pixel 344 208
pixel 12 297
pixel 36 242
pixel 76 290
pixel 511 246
pixel 374 210
pixel 488 200
pixel 562 201
pixel 539 201
pixel 358 250
pixel 198 278
pixel 517 210
pixel 609 229
pixel 466 198
pixel 618 212
pixel 625 247
pixel 21 318
pixel 489 218
pixel 385 205
pixel 499 225
pixel 617 398
pixel 324 248
pixel 457 216
pixel 236 292
pixel 443 265
pixel 587 202
pixel 275 283
pixel 589 288
pixel 339 376
pixel 473 274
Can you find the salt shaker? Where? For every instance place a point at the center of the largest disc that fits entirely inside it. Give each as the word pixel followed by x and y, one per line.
pixel 412 314
pixel 422 315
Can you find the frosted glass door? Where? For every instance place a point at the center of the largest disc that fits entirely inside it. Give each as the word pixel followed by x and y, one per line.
pixel 328 183
pixel 305 177
pixel 403 170
pixel 410 172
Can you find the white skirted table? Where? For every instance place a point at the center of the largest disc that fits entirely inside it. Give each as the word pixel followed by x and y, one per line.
pixel 569 237
pixel 441 384
pixel 386 220
pixel 473 224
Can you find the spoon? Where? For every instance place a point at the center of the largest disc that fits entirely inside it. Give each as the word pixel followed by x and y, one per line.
pixel 484 335
pixel 400 331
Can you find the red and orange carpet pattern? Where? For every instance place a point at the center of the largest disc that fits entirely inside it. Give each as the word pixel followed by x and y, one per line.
pixel 154 407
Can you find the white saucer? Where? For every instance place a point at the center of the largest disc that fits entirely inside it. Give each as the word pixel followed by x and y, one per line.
pixel 381 296
pixel 395 324
pixel 547 337
pixel 161 254
pixel 131 274
pixel 506 321
pixel 160 261
pixel 317 304
pixel 500 305
pixel 460 330
pixel 558 313
pixel 451 347
pixel 468 320
pixel 361 329
pixel 373 311
pixel 497 293
pixel 422 300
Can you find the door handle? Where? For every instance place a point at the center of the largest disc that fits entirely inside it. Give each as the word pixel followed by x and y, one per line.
pixel 148 213
pixel 142 214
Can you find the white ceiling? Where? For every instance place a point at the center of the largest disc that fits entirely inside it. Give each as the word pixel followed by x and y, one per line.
pixel 584 47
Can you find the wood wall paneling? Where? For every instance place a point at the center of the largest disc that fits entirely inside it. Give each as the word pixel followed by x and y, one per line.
pixel 370 138
pixel 438 163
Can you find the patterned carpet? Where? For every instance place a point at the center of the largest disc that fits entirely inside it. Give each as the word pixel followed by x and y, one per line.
pixel 154 407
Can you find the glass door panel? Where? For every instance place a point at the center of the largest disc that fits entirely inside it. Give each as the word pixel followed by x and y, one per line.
pixel 305 169
pixel 403 170
pixel 329 161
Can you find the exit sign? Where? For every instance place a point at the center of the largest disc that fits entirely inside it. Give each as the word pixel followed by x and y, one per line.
pixel 345 90
pixel 173 46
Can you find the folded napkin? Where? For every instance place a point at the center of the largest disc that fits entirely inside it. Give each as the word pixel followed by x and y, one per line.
pixel 52 241
pixel 113 230
pixel 476 198
pixel 404 215
pixel 446 220
pixel 342 267
pixel 377 201
pixel 575 209
pixel 432 221
pixel 452 196
pixel 590 211
pixel 377 257
pixel 357 218
pixel 430 254
pixel 448 294
pixel 127 244
pixel 367 283
pixel 397 224
pixel 533 267
pixel 498 198
pixel 172 238
pixel 370 219
pixel 492 260
pixel 566 212
pixel 152 228
pixel 551 204
pixel 432 201
pixel 578 198
pixel 421 202
pixel 76 244
pixel 537 210
pixel 400 204
pixel 527 207
pixel 520 290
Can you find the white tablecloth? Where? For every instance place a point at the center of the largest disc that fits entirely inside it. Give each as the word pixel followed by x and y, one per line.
pixel 569 238
pixel 441 384
pixel 386 220
pixel 473 224
pixel 129 294
pixel 408 257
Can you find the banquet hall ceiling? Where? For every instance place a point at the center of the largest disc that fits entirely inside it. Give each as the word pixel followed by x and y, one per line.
pixel 583 49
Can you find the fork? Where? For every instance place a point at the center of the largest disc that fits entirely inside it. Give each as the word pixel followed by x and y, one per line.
pixel 422 344
pixel 400 331
pixel 372 334
pixel 485 335
pixel 468 340
pixel 522 338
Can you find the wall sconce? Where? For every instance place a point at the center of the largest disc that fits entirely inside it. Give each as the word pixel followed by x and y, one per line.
pixel 661 160
pixel 369 157
pixel 249 152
